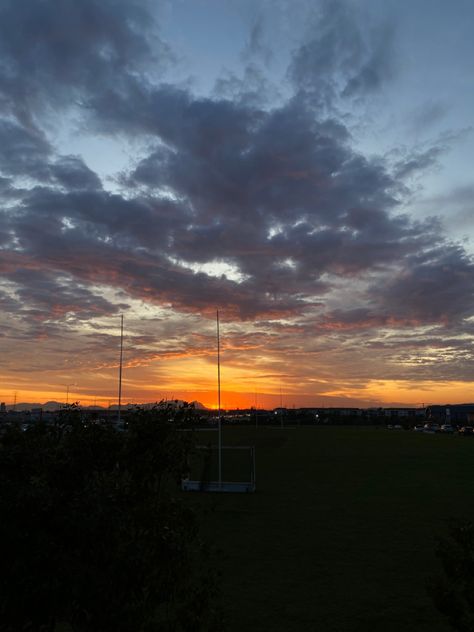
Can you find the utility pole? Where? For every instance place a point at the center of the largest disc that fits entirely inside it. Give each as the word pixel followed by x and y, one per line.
pixel 256 411
pixel 67 392
pixel 281 409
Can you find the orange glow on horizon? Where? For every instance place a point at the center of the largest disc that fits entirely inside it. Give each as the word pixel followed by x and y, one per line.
pixel 383 393
pixel 244 385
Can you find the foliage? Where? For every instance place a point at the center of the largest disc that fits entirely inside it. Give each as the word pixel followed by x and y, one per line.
pixel 453 593
pixel 94 533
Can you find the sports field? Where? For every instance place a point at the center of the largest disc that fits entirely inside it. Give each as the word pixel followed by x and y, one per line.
pixel 340 535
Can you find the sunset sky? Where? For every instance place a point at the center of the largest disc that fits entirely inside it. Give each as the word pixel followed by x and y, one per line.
pixel 305 166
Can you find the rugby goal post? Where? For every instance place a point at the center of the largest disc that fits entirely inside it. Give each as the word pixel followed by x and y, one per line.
pixel 236 469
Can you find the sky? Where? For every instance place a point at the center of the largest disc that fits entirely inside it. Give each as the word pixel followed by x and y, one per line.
pixel 304 166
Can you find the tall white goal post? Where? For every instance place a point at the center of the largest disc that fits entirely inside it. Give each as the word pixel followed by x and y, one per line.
pixel 210 470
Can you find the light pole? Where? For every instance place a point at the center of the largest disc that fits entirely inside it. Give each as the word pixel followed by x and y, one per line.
pixel 256 411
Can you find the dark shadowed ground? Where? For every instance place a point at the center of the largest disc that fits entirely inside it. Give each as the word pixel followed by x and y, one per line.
pixel 341 533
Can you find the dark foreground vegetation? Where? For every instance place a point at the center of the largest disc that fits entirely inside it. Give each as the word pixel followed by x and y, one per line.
pixel 94 534
pixel 350 530
pixel 453 590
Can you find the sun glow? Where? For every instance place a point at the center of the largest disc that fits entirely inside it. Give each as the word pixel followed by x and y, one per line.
pixel 235 395
pixel 257 369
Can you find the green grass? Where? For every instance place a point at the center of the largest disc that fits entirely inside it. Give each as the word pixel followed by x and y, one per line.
pixel 341 533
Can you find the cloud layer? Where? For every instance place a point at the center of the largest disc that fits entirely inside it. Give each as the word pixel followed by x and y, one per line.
pixel 269 212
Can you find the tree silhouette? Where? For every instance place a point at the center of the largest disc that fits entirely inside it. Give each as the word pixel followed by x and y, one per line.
pixel 95 535
pixel 453 592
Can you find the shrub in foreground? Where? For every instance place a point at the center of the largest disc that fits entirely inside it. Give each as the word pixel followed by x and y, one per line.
pixel 94 535
pixel 453 592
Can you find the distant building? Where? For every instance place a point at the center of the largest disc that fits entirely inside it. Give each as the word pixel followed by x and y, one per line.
pixel 343 412
pixel 404 412
pixel 3 408
pixel 455 414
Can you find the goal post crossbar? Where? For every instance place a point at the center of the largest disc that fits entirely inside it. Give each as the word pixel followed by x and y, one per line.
pixel 239 474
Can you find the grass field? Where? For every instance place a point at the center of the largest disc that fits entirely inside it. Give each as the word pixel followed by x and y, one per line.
pixel 340 535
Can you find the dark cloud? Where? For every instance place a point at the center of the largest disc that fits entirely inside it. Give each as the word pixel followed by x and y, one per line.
pixel 9 304
pixel 434 287
pixel 278 195
pixel 71 173
pixel 26 153
pixel 268 186
pixel 251 88
pixel 305 233
pixel 342 57
pixel 97 217
pixel 418 161
pixel 57 52
pixel 23 151
pixel 38 296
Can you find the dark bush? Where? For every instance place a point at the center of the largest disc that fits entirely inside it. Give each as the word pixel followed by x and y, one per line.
pixel 453 592
pixel 95 535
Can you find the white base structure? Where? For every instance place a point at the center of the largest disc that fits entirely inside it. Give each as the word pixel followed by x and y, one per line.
pixel 215 486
